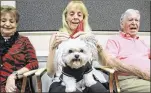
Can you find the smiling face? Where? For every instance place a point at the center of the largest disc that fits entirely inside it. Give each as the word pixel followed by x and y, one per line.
pixel 131 23
pixel 74 16
pixel 8 24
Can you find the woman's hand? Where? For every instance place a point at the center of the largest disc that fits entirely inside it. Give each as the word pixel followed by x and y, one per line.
pixel 58 38
pixel 10 84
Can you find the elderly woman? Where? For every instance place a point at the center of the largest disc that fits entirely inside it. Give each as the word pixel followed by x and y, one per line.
pixel 75 25
pixel 17 55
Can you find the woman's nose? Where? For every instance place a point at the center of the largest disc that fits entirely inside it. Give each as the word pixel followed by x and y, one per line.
pixel 7 24
pixel 75 16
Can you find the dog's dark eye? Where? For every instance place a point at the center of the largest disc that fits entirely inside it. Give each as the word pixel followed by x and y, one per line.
pixel 70 51
pixel 81 50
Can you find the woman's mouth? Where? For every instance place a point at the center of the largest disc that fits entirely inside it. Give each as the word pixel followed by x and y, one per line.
pixel 7 28
pixel 75 22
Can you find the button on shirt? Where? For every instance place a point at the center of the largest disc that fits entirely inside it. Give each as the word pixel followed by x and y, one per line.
pixel 132 51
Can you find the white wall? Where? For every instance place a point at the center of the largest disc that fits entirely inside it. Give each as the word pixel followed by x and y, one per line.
pixel 40 40
pixel 11 3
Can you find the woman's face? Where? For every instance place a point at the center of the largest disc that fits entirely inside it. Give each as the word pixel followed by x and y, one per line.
pixel 8 24
pixel 74 16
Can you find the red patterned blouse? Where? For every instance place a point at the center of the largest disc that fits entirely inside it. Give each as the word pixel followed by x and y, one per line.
pixel 21 54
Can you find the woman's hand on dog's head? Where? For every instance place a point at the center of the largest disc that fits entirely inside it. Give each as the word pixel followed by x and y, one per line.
pixel 58 38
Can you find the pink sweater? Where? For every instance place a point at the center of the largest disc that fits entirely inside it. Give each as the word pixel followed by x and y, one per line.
pixel 131 51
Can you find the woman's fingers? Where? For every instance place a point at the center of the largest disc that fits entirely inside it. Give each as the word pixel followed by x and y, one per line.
pixel 59 37
pixel 10 88
pixel 10 84
pixel 62 34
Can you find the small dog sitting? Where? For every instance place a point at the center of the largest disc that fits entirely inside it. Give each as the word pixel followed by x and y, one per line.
pixel 75 57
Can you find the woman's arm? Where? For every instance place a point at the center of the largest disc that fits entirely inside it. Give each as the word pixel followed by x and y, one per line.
pixel 30 56
pixel 31 63
pixel 51 55
pixel 55 40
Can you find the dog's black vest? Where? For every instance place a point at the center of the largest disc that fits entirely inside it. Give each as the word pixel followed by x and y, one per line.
pixel 77 73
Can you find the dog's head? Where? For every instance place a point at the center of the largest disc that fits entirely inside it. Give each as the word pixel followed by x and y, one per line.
pixel 74 53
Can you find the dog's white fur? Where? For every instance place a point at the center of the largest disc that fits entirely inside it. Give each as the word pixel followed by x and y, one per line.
pixel 70 83
pixel 66 54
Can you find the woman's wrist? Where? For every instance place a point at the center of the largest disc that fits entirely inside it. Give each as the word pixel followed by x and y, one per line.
pixel 15 74
pixel 52 47
pixel 12 76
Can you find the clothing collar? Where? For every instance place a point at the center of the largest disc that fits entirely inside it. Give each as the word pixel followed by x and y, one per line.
pixel 127 36
pixel 5 45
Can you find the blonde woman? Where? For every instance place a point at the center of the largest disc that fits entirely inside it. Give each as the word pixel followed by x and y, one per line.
pixel 75 24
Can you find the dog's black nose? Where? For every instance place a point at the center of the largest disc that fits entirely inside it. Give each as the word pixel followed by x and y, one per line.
pixel 76 56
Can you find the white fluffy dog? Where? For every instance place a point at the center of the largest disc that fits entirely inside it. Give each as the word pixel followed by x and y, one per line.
pixel 75 57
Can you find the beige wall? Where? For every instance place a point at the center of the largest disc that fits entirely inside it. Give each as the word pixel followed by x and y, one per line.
pixel 40 40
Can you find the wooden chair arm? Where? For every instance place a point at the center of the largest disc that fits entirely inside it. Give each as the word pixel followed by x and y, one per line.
pixel 116 82
pixel 25 77
pixel 29 73
pixel 113 77
pixel 40 71
pixel 110 72
pixel 106 69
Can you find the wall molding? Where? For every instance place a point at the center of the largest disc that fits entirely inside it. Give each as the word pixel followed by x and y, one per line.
pixel 95 32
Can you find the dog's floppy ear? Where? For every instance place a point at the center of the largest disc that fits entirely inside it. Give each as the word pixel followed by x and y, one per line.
pixel 58 56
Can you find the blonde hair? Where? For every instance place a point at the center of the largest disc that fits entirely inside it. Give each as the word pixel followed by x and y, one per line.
pixel 65 27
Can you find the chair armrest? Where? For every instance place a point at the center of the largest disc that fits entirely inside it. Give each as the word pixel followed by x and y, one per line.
pixel 117 82
pixel 26 74
pixel 40 71
pixel 106 69
pixel 110 72
pixel 29 73
pixel 25 78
